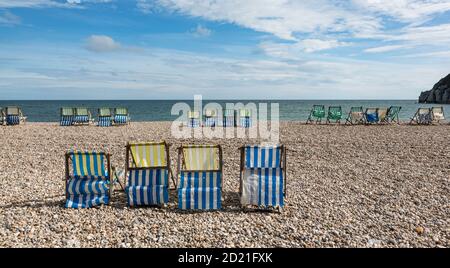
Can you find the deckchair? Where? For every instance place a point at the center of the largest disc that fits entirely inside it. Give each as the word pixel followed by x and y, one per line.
pixel 211 119
pixel 263 176
pixel 88 181
pixel 14 115
pixel 438 114
pixel 355 116
pixel 67 116
pixel 245 118
pixel 121 116
pixel 200 175
pixel 334 114
pixel 148 169
pixel 229 118
pixel 382 115
pixel 392 114
pixel 2 116
pixel 423 116
pixel 317 113
pixel 371 115
pixel 193 119
pixel 82 116
pixel 104 117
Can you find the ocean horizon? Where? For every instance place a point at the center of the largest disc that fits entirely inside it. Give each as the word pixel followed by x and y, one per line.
pixel 160 110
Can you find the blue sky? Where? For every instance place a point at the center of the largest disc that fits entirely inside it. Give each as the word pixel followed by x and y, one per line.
pixel 172 49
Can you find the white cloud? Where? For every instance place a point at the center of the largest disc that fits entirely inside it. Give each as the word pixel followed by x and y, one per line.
pixel 382 49
pixel 296 50
pixel 8 18
pixel 101 43
pixel 47 3
pixel 201 31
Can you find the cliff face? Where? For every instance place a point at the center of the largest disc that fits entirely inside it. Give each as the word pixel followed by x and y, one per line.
pixel 440 93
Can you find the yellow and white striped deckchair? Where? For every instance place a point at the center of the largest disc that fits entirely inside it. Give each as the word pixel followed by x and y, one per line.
pixel 200 157
pixel 200 174
pixel 148 170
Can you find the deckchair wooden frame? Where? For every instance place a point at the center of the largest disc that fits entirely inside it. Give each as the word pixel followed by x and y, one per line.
pixel 283 166
pixel 68 176
pixel 181 167
pixel 318 119
pixel 338 121
pixel 128 165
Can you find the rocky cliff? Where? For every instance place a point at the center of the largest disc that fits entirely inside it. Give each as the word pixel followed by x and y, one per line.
pixel 440 93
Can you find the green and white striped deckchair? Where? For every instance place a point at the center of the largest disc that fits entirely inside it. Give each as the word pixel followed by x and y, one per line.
pixel 317 113
pixel 334 114
pixel 200 175
pixel 393 114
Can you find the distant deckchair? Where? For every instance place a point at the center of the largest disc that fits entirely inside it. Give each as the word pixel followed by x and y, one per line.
pixel 228 119
pixel 148 170
pixel 67 116
pixel 423 116
pixel 193 119
pixel 334 114
pixel 88 180
pixel 317 113
pixel 371 115
pixel 211 118
pixel 355 116
pixel 2 116
pixel 104 117
pixel 121 116
pixel 200 175
pixel 393 114
pixel 245 118
pixel 263 176
pixel 382 115
pixel 14 115
pixel 438 114
pixel 82 116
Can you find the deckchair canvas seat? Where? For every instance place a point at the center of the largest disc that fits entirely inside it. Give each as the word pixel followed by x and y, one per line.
pixel 438 114
pixel 104 117
pixel 13 116
pixel 382 114
pixel 121 116
pixel 228 118
pixel 67 116
pixel 87 186
pixel 393 114
pixel 211 118
pixel 372 115
pixel 356 115
pixel 317 113
pixel 334 114
pixel 262 180
pixel 82 116
pixel 193 119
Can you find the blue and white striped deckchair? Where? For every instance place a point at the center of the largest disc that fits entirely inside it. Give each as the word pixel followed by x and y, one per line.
pixel 14 116
pixel 211 119
pixel 245 119
pixel 67 116
pixel 193 119
pixel 148 173
pixel 121 116
pixel 104 117
pixel 229 118
pixel 88 184
pixel 82 116
pixel 200 174
pixel 263 176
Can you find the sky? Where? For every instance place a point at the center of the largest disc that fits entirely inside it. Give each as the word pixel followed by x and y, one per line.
pixel 229 49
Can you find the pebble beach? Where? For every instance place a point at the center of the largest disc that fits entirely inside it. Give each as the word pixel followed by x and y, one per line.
pixel 347 186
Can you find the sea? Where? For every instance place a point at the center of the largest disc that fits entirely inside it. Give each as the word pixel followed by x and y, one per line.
pixel 160 110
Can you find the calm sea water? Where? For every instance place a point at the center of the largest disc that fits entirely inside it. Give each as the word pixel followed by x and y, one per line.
pixel 159 110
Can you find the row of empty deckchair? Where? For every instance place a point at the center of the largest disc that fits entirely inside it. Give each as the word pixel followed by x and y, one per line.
pixel 82 116
pixel 199 180
pixel 11 115
pixel 356 115
pixel 211 118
